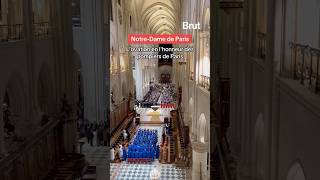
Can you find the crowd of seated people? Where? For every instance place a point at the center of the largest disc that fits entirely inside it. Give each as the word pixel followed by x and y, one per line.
pixel 159 94
pixel 144 147
pixel 151 98
pixel 167 94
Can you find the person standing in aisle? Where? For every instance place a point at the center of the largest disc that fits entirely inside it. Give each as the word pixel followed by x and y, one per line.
pixel 120 152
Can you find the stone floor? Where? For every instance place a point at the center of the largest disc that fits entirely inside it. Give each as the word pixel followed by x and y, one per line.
pixel 98 156
pixel 129 171
pixel 126 171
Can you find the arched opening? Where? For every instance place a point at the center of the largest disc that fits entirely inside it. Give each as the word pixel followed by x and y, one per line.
pixel 296 172
pixel 202 128
pixel 165 65
pixel 258 151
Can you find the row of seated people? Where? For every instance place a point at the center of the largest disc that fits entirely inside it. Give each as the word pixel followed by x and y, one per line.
pixel 121 153
pixel 144 146
pixel 167 94
pixel 149 152
pixel 151 98
pixel 144 155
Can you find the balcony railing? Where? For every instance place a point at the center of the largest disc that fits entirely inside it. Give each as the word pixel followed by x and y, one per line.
pixel 205 82
pixel 262 45
pixel 305 65
pixel 41 151
pixel 11 32
pixel 41 29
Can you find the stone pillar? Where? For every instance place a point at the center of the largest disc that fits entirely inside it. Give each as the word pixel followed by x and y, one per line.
pixel 199 161
pixel 245 159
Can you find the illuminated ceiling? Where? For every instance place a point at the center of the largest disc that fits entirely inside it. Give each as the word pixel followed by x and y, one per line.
pixel 159 16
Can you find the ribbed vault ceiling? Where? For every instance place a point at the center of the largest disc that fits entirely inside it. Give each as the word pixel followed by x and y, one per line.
pixel 159 16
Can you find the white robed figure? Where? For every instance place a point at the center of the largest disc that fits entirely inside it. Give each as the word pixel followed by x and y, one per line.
pixel 120 151
pixel 155 174
pixel 112 154
pixel 125 135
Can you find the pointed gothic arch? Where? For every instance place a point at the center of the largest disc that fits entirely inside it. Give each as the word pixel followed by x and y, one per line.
pixel 202 129
pixel 296 172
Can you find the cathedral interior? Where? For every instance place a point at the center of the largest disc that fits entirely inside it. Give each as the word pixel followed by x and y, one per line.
pixel 168 97
pixel 76 103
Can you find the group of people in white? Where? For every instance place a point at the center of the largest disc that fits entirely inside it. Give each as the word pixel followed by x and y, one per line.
pixel 119 151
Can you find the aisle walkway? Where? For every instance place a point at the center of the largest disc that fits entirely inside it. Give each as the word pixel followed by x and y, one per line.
pixel 126 171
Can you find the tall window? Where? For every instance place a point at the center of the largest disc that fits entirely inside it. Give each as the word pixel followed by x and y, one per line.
pixel 41 18
pixel 76 13
pixel 41 11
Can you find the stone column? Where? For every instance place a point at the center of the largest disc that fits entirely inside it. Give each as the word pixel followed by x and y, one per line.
pixel 33 108
pixel 199 161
